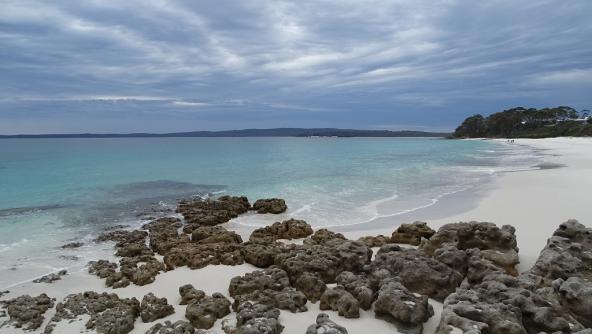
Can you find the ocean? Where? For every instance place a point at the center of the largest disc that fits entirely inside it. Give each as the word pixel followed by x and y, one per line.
pixel 54 191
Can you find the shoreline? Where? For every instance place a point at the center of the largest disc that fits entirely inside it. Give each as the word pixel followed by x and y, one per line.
pixel 546 196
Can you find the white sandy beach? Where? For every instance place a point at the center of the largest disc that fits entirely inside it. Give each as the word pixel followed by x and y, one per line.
pixel 534 202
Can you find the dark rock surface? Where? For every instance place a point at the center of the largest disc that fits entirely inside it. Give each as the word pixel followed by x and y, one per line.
pixel 270 286
pixel 412 234
pixel 27 312
pixel 197 255
pixel 311 285
pixel 209 212
pixel 203 313
pixel 73 245
pixel 416 271
pixel 288 229
pixel 325 326
pixel 189 294
pixel 270 205
pixel 50 278
pixel 375 241
pixel 153 308
pixel 496 244
pixel 214 234
pixel 338 299
pixel 359 286
pixel 255 318
pixel 552 297
pixel 108 313
pixel 408 311
pixel 178 327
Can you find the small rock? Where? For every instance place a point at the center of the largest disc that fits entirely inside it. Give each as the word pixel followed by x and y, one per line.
pixel 153 308
pixel 204 313
pixel 325 326
pixel 412 233
pixel 338 299
pixel 179 327
pixel 50 278
pixel 73 245
pixel 271 205
pixel 189 294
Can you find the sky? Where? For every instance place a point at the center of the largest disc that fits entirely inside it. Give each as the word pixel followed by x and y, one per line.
pixel 162 66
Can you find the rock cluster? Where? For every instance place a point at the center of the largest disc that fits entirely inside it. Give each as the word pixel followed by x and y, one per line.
pixel 271 205
pixel 270 286
pixel 209 212
pixel 554 296
pixel 50 278
pixel 412 234
pixel 108 313
pixel 27 312
pixel 73 245
pixel 288 229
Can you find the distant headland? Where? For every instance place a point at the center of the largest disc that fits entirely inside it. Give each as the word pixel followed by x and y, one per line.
pixel 276 132
pixel 520 122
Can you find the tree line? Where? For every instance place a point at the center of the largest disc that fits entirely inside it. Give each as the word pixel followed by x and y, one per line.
pixel 523 122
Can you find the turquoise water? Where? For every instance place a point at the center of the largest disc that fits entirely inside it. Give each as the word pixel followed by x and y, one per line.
pixel 57 190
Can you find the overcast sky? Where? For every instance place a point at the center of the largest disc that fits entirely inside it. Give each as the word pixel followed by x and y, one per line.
pixel 124 66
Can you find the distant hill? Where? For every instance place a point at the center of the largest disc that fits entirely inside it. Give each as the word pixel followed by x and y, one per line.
pixel 278 132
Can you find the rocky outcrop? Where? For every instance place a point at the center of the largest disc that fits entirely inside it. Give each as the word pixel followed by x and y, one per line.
pixel 178 327
pixel 412 234
pixel 209 212
pixel 338 299
pixel 27 312
pixel 262 255
pixel 288 229
pixel 270 286
pixel 189 294
pixel 50 278
pixel 270 205
pixel 323 235
pixel 164 234
pixel 497 245
pixel 375 241
pixel 416 271
pixel 108 313
pixel 153 308
pixel 140 270
pixel 327 259
pixel 198 255
pixel 203 313
pixel 256 319
pixel 325 326
pixel 554 296
pixel 359 286
pixel 408 311
pixel 214 234
pixel 311 285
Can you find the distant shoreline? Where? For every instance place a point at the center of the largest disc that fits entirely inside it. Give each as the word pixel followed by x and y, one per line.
pixel 275 132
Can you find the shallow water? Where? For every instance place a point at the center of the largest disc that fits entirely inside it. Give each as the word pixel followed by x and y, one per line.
pixel 58 190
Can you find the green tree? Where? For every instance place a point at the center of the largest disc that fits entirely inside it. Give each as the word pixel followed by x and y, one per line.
pixel 472 127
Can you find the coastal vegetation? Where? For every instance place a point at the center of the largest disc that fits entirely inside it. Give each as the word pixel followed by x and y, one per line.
pixel 523 122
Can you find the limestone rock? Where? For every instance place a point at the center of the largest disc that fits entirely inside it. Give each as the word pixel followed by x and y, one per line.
pixel 27 312
pixel 412 234
pixel 153 308
pixel 338 299
pixel 270 205
pixel 325 326
pixel 50 278
pixel 179 327
pixel 288 229
pixel 407 310
pixel 203 313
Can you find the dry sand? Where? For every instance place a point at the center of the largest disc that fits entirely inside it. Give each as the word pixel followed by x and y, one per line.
pixel 535 202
